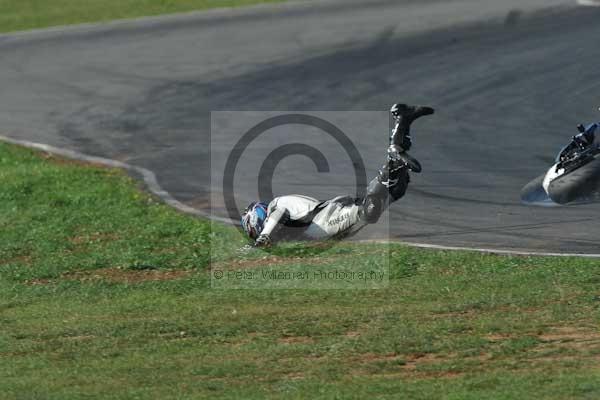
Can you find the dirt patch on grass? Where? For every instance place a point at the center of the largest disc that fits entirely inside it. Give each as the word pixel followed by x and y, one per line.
pixel 476 311
pixel 23 259
pixel 556 336
pixel 564 342
pixel 405 361
pixel 455 365
pixel 254 263
pixel 296 340
pixel 295 376
pixel 117 275
pixel 79 337
pixel 373 357
pixel 496 337
pixel 271 261
pixel 569 333
pixel 129 276
pixel 414 365
pixel 559 344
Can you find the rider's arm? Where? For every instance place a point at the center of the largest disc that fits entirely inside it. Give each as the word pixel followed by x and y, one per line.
pixel 277 216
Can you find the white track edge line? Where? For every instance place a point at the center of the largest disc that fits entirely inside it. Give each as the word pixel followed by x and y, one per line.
pixel 154 187
pixel 485 250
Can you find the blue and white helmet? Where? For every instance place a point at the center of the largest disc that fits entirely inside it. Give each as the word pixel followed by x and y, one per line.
pixel 253 219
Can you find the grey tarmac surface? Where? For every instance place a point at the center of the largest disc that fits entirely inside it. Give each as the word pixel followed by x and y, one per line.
pixel 509 79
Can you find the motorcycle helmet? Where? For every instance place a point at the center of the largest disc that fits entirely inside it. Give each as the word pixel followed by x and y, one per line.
pixel 253 219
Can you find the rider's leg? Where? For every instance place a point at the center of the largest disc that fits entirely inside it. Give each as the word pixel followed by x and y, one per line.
pixel 388 186
pixel 338 218
pixel 392 180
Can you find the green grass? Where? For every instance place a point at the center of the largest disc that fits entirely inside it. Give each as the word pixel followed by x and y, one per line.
pixel 29 14
pixel 105 293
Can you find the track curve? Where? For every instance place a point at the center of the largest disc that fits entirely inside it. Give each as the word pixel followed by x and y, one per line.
pixel 510 81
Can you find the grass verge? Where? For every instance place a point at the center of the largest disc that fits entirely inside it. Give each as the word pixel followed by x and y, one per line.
pixel 32 14
pixel 105 293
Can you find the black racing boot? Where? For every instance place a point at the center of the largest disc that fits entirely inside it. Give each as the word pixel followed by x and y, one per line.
pixel 405 115
pixel 410 113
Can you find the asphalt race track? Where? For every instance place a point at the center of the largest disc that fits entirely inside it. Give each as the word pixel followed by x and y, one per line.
pixel 509 79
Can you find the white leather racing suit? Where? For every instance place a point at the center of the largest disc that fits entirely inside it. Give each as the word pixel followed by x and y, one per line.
pixel 298 217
